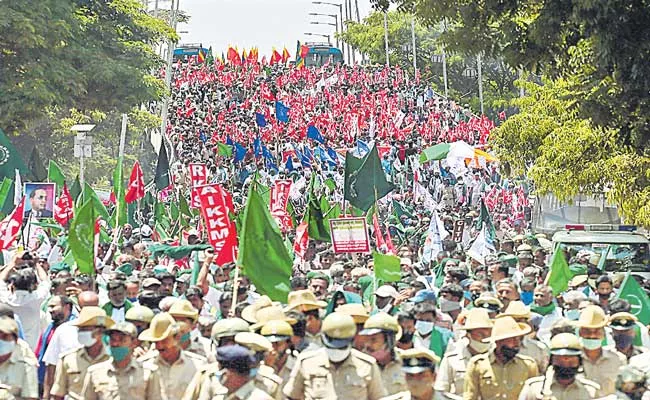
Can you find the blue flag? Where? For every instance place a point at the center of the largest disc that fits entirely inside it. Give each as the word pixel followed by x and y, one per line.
pixel 281 112
pixel 261 121
pixel 304 159
pixel 240 152
pixel 333 155
pixel 362 149
pixel 203 137
pixel 314 134
pixel 257 147
pixel 229 141
pixel 289 164
pixel 266 153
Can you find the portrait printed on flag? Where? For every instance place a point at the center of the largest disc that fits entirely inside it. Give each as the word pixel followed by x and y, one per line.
pixel 39 199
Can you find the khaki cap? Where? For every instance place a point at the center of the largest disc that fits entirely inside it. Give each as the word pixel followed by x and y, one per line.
pixel 149 282
pixel 357 311
pixel 516 309
pixel 304 300
pixel 93 316
pixel 477 318
pixel 248 313
pixel 566 344
pixel 139 313
pixel 592 317
pixel 9 326
pixel 381 322
pixel 622 321
pixel 228 327
pixel 578 280
pixel 273 313
pixel 183 308
pixel 277 331
pixel 162 325
pixel 506 328
pixel 124 327
pixel 417 360
pixel 253 341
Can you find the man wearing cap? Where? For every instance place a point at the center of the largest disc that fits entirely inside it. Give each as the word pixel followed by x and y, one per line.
pixel 529 346
pixel 306 302
pixel 501 372
pixel 441 319
pixel 175 366
pixel 381 332
pixel 118 305
pixel 429 335
pixel 17 372
pixel 265 377
pixel 562 381
pixel 141 317
pixel 360 315
pixel 600 363
pixel 72 365
pixel 385 297
pixel 233 378
pixel 337 370
pixel 282 358
pixel 451 374
pixel 490 303
pixel 623 326
pixel 419 368
pixel 121 377
pixel 187 317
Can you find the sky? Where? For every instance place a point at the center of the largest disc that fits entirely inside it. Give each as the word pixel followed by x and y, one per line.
pixel 261 23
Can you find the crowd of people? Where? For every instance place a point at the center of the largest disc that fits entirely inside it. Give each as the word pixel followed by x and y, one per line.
pixel 457 324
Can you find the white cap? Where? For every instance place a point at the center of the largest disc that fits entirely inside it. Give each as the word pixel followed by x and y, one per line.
pixel 386 291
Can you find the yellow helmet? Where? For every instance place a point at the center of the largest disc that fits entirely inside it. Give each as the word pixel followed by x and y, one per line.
pixel 228 327
pixel 277 331
pixel 381 322
pixel 338 330
pixel 566 344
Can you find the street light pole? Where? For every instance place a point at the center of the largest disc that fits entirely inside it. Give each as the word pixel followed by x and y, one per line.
pixel 168 71
pixel 415 62
pixel 330 24
pixel 480 81
pixel 349 2
pixel 340 7
pixel 386 38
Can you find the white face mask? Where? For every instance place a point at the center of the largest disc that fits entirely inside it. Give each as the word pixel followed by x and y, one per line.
pixel 86 338
pixel 7 347
pixel 424 327
pixel 337 355
pixel 478 346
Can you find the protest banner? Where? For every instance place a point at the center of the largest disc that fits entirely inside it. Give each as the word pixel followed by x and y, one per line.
pixel 350 235
pixel 198 177
pixel 221 231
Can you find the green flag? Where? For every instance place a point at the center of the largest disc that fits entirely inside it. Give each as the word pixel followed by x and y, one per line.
pixel 317 226
pixel 75 190
pixel 559 275
pixel 89 194
pixel 10 159
pixel 161 217
pixel 162 169
pixel 387 267
pixel 365 180
pixel 121 216
pixel 435 152
pixel 37 170
pixel 484 218
pixel 635 295
pixel 224 150
pixel 54 174
pixel 176 252
pixel 5 189
pixel 400 209
pixel 262 255
pixel 82 238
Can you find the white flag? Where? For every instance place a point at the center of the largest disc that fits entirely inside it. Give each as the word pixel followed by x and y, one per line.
pixel 435 235
pixel 481 247
pixel 18 188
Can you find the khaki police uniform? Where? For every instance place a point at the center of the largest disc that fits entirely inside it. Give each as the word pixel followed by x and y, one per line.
pixel 290 362
pixel 134 382
pixel 18 375
pixel 71 372
pixel 5 393
pixel 450 377
pixel 546 387
pixel 202 347
pixel 486 378
pixel 314 377
pixel 268 381
pixel 212 389
pixel 604 370
pixel 536 350
pixel 174 377
pixel 316 341
pixel 393 377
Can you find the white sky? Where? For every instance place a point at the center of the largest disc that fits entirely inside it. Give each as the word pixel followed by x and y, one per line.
pixel 261 23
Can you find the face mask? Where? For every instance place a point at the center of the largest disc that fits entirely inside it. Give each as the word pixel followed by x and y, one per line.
pixel 527 297
pixel 133 299
pixel 475 296
pixel 253 372
pixel 185 337
pixel 407 337
pixel 572 314
pixel 591 344
pixel 565 373
pixel 623 341
pixel 478 346
pixel 119 353
pixel 424 327
pixel 7 347
pixel 337 355
pixel 509 352
pixel 86 338
pixel 448 305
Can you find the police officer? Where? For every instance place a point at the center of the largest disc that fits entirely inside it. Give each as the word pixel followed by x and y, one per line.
pixel 529 347
pixel 381 332
pixel 234 379
pixel 141 317
pixel 282 358
pixel 450 378
pixel 175 366
pixel 265 378
pixel 336 370
pixel 187 316
pixel 121 377
pixel 17 372
pixel 623 326
pixel 562 381
pixel 71 367
pixel 501 372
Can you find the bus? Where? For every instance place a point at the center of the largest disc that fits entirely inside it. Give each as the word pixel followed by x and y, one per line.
pixel 321 53
pixel 184 51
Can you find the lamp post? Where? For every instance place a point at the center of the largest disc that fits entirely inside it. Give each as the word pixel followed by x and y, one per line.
pixel 335 24
pixel 168 71
pixel 83 146
pixel 471 72
pixel 340 6
pixel 386 38
pixel 319 34
pixel 442 59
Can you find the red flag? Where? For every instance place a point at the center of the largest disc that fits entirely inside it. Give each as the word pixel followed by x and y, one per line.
pixel 389 243
pixel 275 57
pixel 379 238
pixel 302 240
pixel 98 226
pixel 285 55
pixel 278 204
pixel 198 177
pixel 222 233
pixel 10 226
pixel 135 190
pixel 233 56
pixel 63 208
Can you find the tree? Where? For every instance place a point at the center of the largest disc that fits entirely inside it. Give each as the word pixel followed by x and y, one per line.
pixel 368 37
pixel 87 55
pixel 569 155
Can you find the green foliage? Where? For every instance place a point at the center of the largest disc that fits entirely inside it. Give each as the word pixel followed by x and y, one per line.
pixel 568 155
